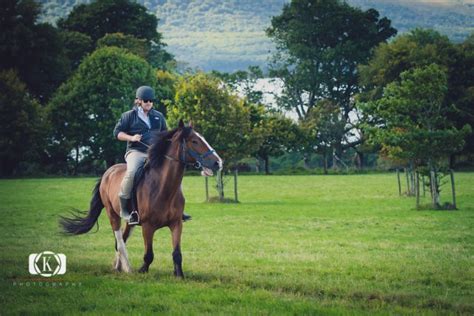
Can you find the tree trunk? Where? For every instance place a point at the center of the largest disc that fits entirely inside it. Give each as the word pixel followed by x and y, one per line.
pixel 337 158
pixel 453 190
pixel 220 185
pixel 306 159
pixel 76 160
pixel 417 189
pixel 434 189
pixel 360 160
pixel 257 164
pixel 325 162
pixel 267 164
pixel 452 161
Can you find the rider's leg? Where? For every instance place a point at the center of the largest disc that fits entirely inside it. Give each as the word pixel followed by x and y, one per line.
pixel 134 160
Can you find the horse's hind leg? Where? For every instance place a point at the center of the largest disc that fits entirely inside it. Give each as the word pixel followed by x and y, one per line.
pixel 148 232
pixel 177 257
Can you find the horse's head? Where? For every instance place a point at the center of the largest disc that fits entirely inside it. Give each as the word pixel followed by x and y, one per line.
pixel 196 150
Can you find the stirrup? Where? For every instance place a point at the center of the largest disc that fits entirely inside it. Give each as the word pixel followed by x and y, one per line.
pixel 134 218
pixel 187 217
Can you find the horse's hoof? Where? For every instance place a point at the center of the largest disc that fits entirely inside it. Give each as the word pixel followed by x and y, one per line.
pixel 179 275
pixel 143 270
pixel 117 266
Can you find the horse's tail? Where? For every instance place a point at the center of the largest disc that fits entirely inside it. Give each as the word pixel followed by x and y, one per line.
pixel 82 222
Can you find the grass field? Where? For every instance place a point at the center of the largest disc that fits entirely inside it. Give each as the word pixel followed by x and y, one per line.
pixel 294 245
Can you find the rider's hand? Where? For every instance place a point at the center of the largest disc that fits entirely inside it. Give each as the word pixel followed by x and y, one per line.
pixel 136 138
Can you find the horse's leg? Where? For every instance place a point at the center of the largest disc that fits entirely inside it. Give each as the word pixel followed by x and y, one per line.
pixel 126 234
pixel 176 239
pixel 148 232
pixel 122 254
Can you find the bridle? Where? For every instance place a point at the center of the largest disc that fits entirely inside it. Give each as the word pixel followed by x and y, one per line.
pixel 200 159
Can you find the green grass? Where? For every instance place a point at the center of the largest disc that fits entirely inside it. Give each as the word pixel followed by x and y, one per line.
pixel 294 245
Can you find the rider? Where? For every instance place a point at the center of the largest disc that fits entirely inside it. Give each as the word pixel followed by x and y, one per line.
pixel 134 127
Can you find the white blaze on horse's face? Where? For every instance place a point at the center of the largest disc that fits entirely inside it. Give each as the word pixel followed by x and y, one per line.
pixel 214 153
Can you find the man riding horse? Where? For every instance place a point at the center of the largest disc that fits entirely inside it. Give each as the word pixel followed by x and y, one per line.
pixel 135 128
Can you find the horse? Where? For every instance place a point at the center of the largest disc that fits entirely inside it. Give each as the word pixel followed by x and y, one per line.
pixel 160 200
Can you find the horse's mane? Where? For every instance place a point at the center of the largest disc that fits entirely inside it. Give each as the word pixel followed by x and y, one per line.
pixel 161 141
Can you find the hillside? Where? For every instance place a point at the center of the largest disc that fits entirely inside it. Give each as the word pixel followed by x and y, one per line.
pixel 227 35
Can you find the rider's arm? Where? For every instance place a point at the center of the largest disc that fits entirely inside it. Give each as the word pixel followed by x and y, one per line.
pixel 128 138
pixel 123 126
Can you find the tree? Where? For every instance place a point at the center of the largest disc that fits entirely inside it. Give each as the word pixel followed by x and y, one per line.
pixel 461 91
pixel 413 124
pixel 223 118
pixel 420 48
pixel 33 49
pixel 76 46
pixel 86 108
pixel 280 135
pixel 23 127
pixel 319 45
pixel 139 47
pixel 102 17
pixel 321 125
pixel 417 48
pixel 244 82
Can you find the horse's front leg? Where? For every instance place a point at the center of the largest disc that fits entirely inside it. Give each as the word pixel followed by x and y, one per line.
pixel 176 239
pixel 126 233
pixel 148 232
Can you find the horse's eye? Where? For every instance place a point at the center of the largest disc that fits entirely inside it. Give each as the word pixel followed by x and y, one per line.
pixel 194 142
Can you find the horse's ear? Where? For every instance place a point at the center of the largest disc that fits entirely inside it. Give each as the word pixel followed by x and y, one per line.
pixel 181 124
pixel 190 124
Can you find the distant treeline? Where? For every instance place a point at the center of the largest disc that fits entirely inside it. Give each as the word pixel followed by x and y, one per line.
pixel 229 35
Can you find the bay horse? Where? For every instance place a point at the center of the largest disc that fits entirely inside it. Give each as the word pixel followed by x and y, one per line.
pixel 160 199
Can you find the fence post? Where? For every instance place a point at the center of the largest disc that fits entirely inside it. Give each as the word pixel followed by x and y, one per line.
pixel 453 189
pixel 399 184
pixel 423 184
pixel 235 186
pixel 417 188
pixel 220 185
pixel 408 181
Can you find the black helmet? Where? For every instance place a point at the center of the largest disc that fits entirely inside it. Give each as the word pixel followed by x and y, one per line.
pixel 145 93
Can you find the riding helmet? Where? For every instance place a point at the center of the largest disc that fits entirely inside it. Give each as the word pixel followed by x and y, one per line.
pixel 145 93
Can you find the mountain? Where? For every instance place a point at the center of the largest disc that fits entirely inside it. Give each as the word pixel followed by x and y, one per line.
pixel 229 35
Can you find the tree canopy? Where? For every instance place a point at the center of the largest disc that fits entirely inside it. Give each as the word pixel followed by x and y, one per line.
pixel 102 17
pixel 33 49
pixel 86 108
pixel 23 128
pixel 223 118
pixel 319 46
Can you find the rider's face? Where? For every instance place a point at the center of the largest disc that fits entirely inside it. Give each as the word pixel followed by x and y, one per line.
pixel 146 105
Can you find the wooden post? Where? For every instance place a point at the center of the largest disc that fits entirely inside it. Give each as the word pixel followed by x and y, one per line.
pixel 399 184
pixel 220 186
pixel 453 189
pixel 408 182
pixel 423 184
pixel 207 189
pixel 434 190
pixel 417 188
pixel 235 186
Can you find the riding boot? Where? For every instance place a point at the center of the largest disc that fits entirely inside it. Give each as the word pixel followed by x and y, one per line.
pixel 132 218
pixel 186 217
